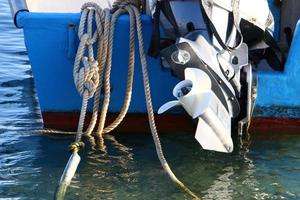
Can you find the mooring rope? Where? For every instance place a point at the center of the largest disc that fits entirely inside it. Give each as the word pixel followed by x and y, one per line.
pixel 87 80
pixel 89 74
pixel 151 119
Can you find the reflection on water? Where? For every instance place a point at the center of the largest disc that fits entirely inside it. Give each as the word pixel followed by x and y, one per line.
pixel 127 168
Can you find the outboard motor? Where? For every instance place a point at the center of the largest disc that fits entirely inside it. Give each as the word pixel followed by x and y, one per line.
pixel 253 24
pixel 209 96
pixel 228 22
pixel 219 86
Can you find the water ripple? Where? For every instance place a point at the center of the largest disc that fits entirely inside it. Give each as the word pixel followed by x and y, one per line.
pixel 127 168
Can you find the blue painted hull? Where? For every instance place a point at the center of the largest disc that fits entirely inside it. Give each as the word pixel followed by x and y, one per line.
pixel 51 41
pixel 51 47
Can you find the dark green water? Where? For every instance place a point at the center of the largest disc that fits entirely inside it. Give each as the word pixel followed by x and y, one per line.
pixel 31 164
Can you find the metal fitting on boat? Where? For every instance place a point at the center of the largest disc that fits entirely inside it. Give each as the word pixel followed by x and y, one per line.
pixel 17 6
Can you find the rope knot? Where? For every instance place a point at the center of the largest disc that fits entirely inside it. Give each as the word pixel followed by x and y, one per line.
pixel 76 146
pixel 90 41
pixel 89 77
pixel 87 40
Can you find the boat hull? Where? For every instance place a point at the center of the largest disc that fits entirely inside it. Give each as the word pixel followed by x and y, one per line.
pixel 51 40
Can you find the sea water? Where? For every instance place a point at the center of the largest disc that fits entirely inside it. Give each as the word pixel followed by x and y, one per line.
pixel 31 164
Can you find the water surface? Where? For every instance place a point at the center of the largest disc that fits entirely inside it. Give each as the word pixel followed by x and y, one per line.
pixel 31 164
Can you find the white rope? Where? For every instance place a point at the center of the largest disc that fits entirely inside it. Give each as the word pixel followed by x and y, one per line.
pixel 151 119
pixel 86 79
pixel 89 72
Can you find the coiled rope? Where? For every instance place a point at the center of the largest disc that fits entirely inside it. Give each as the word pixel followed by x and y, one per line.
pixel 89 74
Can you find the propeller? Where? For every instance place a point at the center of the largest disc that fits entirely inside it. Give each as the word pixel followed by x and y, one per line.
pixel 194 94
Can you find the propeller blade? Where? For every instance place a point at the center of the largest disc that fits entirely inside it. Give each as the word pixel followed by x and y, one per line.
pixel 168 106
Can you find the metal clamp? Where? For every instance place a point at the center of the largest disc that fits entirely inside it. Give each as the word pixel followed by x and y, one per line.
pixel 17 6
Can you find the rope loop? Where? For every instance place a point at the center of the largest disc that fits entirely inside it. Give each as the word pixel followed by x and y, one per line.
pixel 121 4
pixel 91 5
